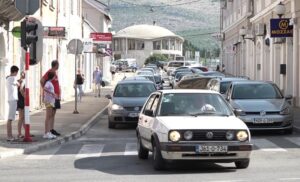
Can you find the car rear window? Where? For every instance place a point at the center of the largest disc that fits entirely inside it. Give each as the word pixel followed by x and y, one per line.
pixel 175 64
pixel 134 90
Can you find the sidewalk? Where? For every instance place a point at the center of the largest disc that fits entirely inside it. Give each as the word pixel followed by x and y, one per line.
pixel 70 125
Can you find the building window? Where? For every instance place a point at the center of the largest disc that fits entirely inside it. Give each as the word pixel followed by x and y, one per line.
pixel 172 44
pixel 117 44
pixel 157 45
pixel 165 44
pixel 140 45
pixel 131 44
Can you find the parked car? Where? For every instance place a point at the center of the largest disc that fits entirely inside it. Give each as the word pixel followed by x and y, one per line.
pixel 191 125
pixel 261 105
pixel 127 101
pixel 222 84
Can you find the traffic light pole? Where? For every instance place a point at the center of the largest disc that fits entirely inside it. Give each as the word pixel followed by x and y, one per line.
pixel 27 137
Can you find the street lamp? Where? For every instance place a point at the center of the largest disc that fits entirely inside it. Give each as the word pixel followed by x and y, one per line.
pixel 280 9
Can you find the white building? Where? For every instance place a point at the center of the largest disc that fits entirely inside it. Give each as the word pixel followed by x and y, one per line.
pixel 256 54
pixel 96 19
pixel 141 41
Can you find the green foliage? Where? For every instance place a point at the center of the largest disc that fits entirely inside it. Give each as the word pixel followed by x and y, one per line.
pixel 155 58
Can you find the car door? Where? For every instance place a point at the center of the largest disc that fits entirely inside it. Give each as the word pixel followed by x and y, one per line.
pixel 142 120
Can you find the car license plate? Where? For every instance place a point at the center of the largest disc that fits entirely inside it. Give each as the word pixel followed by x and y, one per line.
pixel 262 121
pixel 133 115
pixel 211 149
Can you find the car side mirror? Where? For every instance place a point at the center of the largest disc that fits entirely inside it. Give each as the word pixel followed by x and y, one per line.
pixel 238 112
pixel 108 96
pixel 149 113
pixel 288 97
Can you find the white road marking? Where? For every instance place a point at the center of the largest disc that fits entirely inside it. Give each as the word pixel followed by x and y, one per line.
pixel 107 154
pixel 105 139
pixel 295 140
pixel 43 155
pixel 130 149
pixel 267 146
pixel 289 179
pixel 90 151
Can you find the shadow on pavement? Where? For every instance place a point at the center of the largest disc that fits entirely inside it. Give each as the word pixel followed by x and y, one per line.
pixel 131 165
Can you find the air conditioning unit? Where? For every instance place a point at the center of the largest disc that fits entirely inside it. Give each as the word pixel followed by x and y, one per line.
pixel 260 29
pixel 278 40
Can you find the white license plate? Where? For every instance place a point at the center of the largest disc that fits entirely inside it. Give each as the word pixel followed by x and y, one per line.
pixel 262 121
pixel 211 149
pixel 133 115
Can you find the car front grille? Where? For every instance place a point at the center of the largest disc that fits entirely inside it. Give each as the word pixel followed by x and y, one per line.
pixel 131 119
pixel 133 108
pixel 201 135
pixel 264 125
pixel 259 113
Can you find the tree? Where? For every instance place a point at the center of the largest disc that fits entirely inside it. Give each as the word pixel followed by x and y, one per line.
pixel 155 58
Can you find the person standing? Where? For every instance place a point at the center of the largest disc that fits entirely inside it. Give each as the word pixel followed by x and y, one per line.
pixel 49 101
pixel 55 82
pixel 21 104
pixel 79 80
pixel 97 79
pixel 218 68
pixel 113 70
pixel 12 91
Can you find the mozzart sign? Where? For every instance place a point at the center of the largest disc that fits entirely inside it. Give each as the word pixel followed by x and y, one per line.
pixel 281 28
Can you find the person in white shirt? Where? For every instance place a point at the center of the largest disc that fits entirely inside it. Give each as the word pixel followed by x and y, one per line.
pixel 12 91
pixel 49 101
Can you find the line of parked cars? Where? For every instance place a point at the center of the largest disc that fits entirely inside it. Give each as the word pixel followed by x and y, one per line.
pixel 207 117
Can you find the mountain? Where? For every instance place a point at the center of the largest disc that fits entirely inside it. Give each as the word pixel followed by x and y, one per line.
pixel 192 19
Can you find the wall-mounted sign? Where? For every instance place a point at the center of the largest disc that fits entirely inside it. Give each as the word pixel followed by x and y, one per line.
pixel 281 27
pixel 101 38
pixel 88 46
pixel 54 32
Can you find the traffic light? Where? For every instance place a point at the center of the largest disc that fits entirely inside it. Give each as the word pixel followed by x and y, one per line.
pixel 29 38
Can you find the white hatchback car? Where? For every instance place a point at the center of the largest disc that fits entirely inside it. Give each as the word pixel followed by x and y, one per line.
pixel 191 125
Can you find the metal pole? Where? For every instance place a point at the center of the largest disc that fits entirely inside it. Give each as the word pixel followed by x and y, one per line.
pixel 76 52
pixel 27 137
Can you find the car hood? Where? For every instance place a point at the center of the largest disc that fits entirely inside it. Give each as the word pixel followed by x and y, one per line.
pixel 129 101
pixel 202 122
pixel 257 105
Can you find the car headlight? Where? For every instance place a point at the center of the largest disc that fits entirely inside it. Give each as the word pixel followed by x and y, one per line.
pixel 116 107
pixel 285 111
pixel 229 135
pixel 174 136
pixel 242 136
pixel 188 135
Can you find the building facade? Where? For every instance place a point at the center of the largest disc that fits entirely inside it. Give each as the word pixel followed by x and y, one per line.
pixel 254 53
pixel 141 41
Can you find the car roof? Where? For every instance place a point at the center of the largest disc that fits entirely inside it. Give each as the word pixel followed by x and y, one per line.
pixel 135 81
pixel 188 91
pixel 252 82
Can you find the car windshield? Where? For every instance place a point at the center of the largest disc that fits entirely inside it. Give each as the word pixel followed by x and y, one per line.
pixel 224 86
pixel 144 73
pixel 193 104
pixel 134 90
pixel 175 64
pixel 256 91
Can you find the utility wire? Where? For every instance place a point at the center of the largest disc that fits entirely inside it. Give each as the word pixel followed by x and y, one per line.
pixel 164 5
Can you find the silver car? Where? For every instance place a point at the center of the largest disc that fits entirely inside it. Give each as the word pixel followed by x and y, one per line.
pixel 261 105
pixel 127 101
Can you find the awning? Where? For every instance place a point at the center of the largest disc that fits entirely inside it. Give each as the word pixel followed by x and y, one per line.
pixel 8 11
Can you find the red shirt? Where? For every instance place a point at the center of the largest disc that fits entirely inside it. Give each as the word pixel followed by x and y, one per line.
pixel 55 82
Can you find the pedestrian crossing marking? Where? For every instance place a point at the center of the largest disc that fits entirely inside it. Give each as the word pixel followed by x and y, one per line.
pixel 131 149
pixel 267 146
pixel 295 140
pixel 108 154
pixel 90 150
pixel 43 155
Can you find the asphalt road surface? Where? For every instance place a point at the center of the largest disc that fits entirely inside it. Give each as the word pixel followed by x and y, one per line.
pixel 110 155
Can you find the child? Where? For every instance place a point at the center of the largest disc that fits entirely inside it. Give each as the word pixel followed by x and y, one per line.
pixel 49 100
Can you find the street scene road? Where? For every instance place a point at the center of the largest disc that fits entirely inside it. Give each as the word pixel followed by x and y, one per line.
pixel 110 155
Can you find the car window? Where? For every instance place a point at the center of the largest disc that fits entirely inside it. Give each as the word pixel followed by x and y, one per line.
pixel 175 64
pixel 155 104
pixel 256 91
pixel 224 87
pixel 149 103
pixel 186 104
pixel 134 90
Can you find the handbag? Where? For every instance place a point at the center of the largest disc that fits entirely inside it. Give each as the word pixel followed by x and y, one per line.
pixel 102 83
pixel 57 104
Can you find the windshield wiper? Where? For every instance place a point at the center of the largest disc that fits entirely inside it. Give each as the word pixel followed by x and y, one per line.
pixel 207 113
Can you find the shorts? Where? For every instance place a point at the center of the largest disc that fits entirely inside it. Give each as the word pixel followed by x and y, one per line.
pixel 12 109
pixel 49 105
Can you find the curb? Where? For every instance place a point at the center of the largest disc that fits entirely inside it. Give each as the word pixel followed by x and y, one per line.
pixel 69 137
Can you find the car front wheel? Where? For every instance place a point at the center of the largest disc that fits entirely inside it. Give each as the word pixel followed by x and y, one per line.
pixel 143 153
pixel 158 161
pixel 242 164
